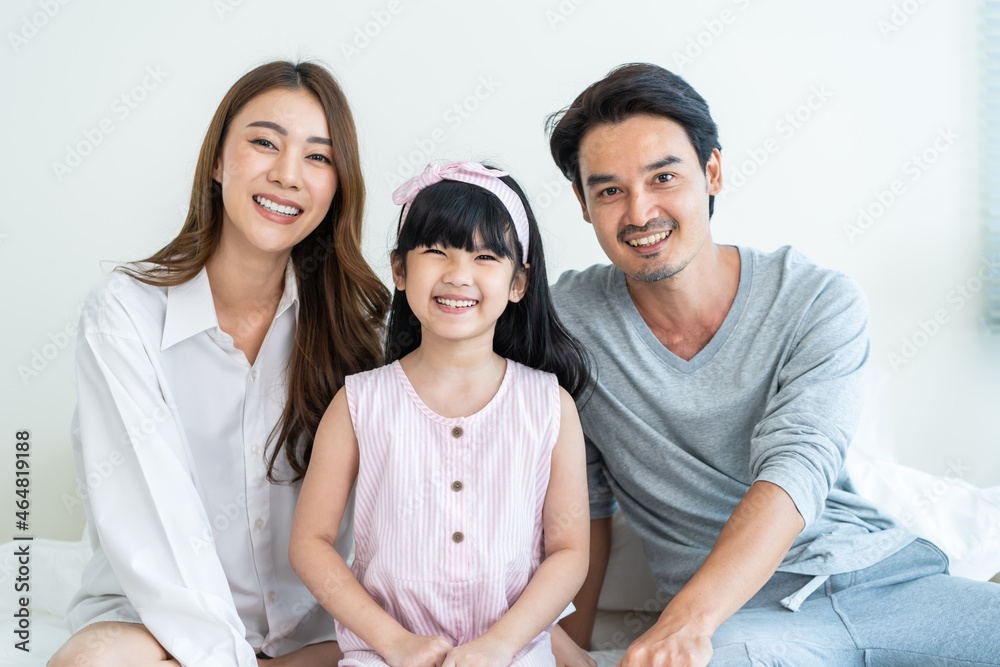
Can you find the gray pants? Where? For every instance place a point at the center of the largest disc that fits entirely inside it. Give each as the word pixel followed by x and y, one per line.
pixel 905 610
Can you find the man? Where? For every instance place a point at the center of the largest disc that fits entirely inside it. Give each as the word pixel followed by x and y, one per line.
pixel 729 383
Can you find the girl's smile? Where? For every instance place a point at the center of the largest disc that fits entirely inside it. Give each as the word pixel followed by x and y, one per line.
pixel 455 303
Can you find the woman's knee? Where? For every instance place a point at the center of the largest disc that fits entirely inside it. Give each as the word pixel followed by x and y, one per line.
pixel 110 644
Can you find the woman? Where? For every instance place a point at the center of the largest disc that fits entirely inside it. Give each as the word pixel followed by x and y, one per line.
pixel 203 373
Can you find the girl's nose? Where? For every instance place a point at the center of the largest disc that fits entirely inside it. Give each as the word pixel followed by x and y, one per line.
pixel 458 272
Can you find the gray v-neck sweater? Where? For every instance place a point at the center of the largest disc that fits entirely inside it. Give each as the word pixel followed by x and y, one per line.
pixel 775 395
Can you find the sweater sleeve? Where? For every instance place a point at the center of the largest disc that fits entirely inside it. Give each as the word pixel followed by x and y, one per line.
pixel 602 499
pixel 801 441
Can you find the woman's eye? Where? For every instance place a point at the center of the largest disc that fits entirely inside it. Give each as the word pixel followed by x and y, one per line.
pixel 262 142
pixel 319 157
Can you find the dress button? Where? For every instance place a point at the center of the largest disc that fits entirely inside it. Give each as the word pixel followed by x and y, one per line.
pixel 253 374
pixel 259 523
pixel 457 537
pixel 255 450
pixel 456 432
pixel 456 485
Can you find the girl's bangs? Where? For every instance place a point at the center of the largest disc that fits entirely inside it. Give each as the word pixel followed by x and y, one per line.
pixel 453 214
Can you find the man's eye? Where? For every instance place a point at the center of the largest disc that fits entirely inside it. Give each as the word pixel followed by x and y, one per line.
pixel 608 192
pixel 664 178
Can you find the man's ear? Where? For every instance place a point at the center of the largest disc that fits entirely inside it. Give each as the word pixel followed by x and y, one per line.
pixel 398 270
pixel 583 204
pixel 713 172
pixel 520 284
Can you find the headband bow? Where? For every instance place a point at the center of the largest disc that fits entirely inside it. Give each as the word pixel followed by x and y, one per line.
pixel 475 174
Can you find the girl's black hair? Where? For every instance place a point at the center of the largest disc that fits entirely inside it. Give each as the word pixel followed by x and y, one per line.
pixel 451 213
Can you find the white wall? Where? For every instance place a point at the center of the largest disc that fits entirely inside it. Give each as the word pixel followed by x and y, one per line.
pixel 882 99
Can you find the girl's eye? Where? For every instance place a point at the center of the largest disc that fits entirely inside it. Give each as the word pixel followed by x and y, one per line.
pixel 433 251
pixel 319 157
pixel 262 142
pixel 489 257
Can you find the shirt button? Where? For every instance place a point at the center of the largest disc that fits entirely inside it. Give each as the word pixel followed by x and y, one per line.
pixel 253 374
pixel 272 596
pixel 255 450
pixel 456 485
pixel 457 537
pixel 456 432
pixel 259 523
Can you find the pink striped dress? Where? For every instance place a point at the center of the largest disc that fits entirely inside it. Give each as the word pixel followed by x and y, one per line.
pixel 448 512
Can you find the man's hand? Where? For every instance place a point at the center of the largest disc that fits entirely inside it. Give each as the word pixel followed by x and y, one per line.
pixel 667 645
pixel 418 651
pixel 567 652
pixel 482 652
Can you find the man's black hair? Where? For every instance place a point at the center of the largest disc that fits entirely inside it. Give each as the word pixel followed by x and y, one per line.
pixel 631 90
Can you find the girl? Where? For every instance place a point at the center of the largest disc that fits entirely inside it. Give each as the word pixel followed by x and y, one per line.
pixel 235 335
pixel 465 450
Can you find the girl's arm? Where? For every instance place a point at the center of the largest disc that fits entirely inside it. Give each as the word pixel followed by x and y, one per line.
pixel 333 467
pixel 566 522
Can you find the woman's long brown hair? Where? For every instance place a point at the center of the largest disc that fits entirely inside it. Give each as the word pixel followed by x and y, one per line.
pixel 342 303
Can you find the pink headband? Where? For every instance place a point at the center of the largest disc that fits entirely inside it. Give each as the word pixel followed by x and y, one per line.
pixel 476 174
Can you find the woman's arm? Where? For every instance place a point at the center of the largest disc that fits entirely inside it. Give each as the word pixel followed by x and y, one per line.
pixel 333 468
pixel 142 499
pixel 566 522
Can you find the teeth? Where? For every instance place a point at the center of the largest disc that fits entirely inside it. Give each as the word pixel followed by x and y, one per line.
pixel 290 211
pixel 453 303
pixel 649 240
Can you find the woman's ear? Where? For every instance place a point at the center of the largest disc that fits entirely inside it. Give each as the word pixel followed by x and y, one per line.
pixel 398 270
pixel 217 169
pixel 520 284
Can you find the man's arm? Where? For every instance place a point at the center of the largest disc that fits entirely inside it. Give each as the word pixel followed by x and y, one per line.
pixel 796 453
pixel 580 624
pixel 750 547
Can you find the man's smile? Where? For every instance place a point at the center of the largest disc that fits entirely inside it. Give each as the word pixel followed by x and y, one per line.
pixel 648 240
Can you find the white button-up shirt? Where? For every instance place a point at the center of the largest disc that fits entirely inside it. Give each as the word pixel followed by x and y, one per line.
pixel 170 435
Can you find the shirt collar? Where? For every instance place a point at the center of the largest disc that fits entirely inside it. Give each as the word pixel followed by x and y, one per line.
pixel 191 309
